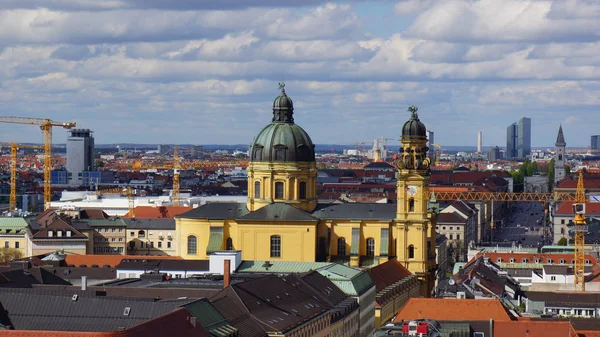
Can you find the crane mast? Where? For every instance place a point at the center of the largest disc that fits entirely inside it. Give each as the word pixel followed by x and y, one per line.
pixel 13 172
pixel 580 229
pixel 176 186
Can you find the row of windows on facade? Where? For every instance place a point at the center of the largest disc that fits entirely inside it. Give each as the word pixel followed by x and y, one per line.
pixel 149 244
pixel 108 250
pixel 59 233
pixel 275 246
pixel 106 230
pixel 142 234
pixel 279 189
pixel 7 244
pixel 572 312
pixel 103 239
pixel 525 260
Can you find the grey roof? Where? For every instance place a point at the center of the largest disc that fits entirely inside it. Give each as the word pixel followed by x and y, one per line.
pixel 26 278
pixel 30 311
pixel 360 211
pixel 217 211
pixel 163 265
pixel 166 224
pixel 560 139
pixel 278 212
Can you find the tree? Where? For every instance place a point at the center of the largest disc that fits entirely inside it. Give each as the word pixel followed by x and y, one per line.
pixel 10 254
pixel 551 175
pixel 531 168
pixel 562 242
pixel 99 164
pixel 517 180
pixel 567 170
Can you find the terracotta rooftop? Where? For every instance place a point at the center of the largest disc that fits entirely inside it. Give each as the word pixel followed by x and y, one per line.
pixel 151 212
pixel 112 260
pixel 533 329
pixel 518 257
pixel 591 208
pixel 452 310
pixel 388 273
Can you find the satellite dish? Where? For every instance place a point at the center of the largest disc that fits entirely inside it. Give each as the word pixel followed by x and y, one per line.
pixel 451 282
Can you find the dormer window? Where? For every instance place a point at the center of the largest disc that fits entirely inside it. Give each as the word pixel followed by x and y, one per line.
pixel 59 233
pixel 68 233
pixel 50 233
pixel 499 260
pixel 524 260
pixel 562 261
pixel 512 260
pixel 549 260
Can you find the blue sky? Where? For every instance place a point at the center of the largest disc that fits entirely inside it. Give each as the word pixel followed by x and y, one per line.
pixel 200 72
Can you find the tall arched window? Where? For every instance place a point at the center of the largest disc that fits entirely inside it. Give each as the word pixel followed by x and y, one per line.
pixel 370 247
pixel 341 246
pixel 411 252
pixel 302 190
pixel 411 205
pixel 279 190
pixel 228 244
pixel 275 246
pixel 192 245
pixel 257 189
pixel 560 157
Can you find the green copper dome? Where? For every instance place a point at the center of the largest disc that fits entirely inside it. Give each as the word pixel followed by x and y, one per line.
pixel 282 140
pixel 414 128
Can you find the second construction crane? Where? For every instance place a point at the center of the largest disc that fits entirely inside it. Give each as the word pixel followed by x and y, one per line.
pixel 13 172
pixel 46 125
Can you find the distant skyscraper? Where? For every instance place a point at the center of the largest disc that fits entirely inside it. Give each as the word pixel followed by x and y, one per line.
pixel 479 141
pixel 518 139
pixel 430 142
pixel 494 154
pixel 559 160
pixel 595 145
pixel 80 155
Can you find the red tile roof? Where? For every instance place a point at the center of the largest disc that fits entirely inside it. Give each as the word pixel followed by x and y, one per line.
pixel 112 260
pixel 452 310
pixel 159 212
pixel 533 329
pixel 450 218
pixel 388 273
pixel 588 333
pixel 518 257
pixel 591 208
pixel 590 181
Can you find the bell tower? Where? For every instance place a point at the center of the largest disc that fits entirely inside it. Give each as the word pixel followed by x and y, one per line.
pixel 559 160
pixel 414 223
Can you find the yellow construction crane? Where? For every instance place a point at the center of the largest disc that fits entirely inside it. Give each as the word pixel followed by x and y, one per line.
pixel 176 168
pixel 580 229
pixel 46 126
pixel 126 191
pixel 13 172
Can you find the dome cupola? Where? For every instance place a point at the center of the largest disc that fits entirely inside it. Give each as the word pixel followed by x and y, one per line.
pixel 282 140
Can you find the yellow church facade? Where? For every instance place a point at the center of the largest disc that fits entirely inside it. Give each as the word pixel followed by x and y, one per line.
pixel 282 221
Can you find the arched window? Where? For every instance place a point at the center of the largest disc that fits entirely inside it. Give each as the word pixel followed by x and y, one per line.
pixel 279 190
pixel 411 205
pixel 257 189
pixel 228 244
pixel 141 234
pixel 275 246
pixel 411 252
pixel 302 190
pixel 559 157
pixel 341 247
pixel 192 244
pixel 370 247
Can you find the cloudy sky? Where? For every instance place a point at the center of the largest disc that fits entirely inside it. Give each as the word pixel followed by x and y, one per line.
pixel 206 71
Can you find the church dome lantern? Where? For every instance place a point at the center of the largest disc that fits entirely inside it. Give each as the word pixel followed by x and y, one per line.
pixel 414 128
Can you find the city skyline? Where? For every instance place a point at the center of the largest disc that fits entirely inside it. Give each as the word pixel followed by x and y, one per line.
pixel 187 74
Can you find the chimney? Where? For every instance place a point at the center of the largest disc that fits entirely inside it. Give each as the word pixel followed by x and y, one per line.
pixel 84 283
pixel 226 273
